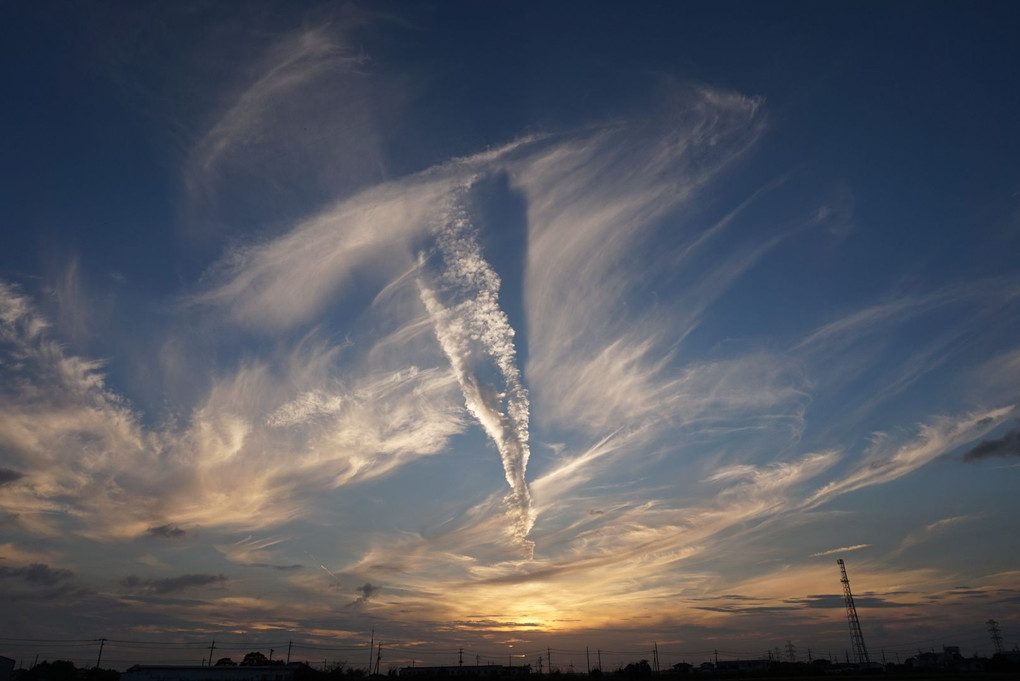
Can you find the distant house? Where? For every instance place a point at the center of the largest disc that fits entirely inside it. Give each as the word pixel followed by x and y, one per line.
pixel 742 665
pixel 486 670
pixel 283 672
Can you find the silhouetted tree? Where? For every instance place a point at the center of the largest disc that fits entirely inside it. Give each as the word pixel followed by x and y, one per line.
pixel 254 659
pixel 97 674
pixel 58 670
pixel 638 669
pixel 225 662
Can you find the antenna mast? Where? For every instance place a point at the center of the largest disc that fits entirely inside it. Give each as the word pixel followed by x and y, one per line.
pixel 851 617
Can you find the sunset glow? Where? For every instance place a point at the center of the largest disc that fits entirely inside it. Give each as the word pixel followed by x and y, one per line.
pixel 506 330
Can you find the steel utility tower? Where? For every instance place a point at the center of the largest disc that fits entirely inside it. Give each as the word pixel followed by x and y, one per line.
pixel 993 629
pixel 851 617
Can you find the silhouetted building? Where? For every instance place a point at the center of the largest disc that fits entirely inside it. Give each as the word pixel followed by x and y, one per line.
pixel 281 672
pixel 486 670
pixel 742 666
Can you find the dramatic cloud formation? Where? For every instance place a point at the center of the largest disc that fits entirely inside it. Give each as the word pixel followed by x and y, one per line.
pixel 383 321
pixel 472 329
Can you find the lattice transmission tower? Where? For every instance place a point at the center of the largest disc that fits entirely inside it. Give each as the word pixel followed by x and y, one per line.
pixel 993 629
pixel 856 638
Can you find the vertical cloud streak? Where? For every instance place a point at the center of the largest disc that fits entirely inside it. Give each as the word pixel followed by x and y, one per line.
pixel 462 299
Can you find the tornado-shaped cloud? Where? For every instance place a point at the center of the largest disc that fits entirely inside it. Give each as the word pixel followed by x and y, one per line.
pixel 461 293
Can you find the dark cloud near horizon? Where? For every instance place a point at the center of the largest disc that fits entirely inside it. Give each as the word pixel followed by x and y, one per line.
pixel 167 531
pixel 1009 600
pixel 172 584
pixel 737 609
pixel 496 624
pixel 37 574
pixel 836 601
pixel 295 566
pixel 9 475
pixel 1007 445
pixel 48 584
pixel 65 593
pixel 738 597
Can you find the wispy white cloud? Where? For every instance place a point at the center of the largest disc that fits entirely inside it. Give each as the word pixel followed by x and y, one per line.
pixel 593 203
pixel 888 459
pixel 302 119
pixel 60 426
pixel 842 549
pixel 930 530
pixel 283 283
pixel 996 379
pixel 246 457
pixel 295 61
pixel 899 309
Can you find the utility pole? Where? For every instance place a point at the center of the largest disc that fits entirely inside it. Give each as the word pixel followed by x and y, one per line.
pixel 655 655
pixel 289 644
pixel 856 637
pixel 587 659
pixel 271 651
pixel 378 659
pixel 460 657
pixel 600 659
pixel 371 649
pixel 102 641
pixel 212 647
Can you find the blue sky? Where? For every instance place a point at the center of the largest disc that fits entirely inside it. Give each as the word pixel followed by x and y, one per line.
pixel 493 324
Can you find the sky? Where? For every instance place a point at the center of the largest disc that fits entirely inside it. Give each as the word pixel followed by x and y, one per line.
pixel 513 327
